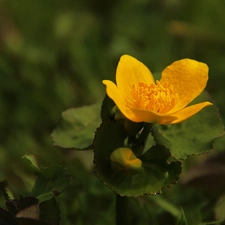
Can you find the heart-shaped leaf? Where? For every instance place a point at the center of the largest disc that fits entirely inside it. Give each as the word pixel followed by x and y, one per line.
pixel 77 127
pixel 193 136
pixel 155 175
pixel 50 181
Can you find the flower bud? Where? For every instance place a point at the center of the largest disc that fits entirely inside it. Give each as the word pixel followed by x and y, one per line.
pixel 124 159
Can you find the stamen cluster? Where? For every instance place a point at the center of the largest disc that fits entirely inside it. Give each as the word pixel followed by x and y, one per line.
pixel 154 97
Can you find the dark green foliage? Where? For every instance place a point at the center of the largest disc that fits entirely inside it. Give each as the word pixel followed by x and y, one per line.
pixel 53 56
pixel 155 174
pixel 194 136
pixel 40 205
pixel 77 129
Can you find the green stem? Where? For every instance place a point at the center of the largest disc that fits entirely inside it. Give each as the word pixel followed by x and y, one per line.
pixel 123 214
pixel 140 142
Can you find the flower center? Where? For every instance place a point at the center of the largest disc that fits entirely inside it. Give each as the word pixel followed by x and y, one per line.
pixel 155 97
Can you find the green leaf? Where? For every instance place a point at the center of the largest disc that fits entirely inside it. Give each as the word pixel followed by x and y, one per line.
pixel 108 108
pixel 155 175
pixel 32 162
pixel 50 182
pixel 182 220
pixel 77 127
pixel 193 136
pixel 32 159
pixel 149 142
pixel 3 190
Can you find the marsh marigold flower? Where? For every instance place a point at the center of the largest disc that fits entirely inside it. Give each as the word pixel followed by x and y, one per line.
pixel 142 99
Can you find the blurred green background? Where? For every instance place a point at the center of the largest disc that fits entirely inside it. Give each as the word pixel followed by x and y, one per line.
pixel 54 55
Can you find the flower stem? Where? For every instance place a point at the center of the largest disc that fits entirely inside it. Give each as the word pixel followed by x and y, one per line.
pixel 123 214
pixel 139 144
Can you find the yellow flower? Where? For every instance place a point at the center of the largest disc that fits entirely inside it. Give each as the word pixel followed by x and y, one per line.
pixel 141 99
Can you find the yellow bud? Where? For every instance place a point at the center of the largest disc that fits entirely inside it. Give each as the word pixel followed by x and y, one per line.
pixel 125 159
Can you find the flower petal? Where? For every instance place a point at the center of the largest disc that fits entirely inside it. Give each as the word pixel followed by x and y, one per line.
pixel 115 94
pixel 188 77
pixel 189 111
pixel 135 115
pixel 151 117
pixel 131 72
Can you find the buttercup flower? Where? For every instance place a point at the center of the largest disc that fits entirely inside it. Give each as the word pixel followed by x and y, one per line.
pixel 141 99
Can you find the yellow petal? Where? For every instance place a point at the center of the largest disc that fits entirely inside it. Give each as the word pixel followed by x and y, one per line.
pixel 135 115
pixel 188 77
pixel 131 72
pixel 151 117
pixel 189 111
pixel 115 94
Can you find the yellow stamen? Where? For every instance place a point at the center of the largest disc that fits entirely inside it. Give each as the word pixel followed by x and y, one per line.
pixel 155 97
